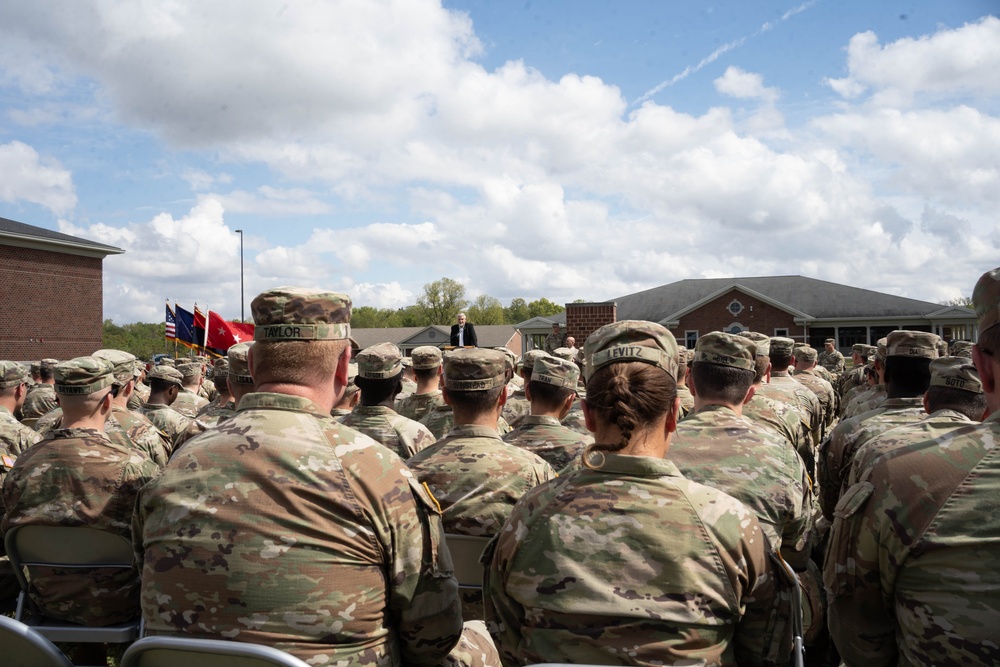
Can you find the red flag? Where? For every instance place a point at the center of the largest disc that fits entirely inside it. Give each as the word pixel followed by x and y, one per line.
pixel 222 335
pixel 199 328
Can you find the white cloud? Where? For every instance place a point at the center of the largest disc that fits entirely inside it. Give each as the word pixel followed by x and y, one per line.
pixel 202 180
pixel 29 177
pixel 273 201
pixel 744 85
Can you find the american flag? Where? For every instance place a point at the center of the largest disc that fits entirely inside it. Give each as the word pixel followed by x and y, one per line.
pixel 171 324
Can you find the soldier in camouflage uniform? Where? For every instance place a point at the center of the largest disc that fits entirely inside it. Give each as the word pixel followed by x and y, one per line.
pixel 554 340
pixel 552 392
pixel 15 437
pixel 189 401
pixel 426 361
pixel 140 394
pixel 962 348
pixel 409 380
pixel 380 369
pixel 907 376
pixel 625 561
pixel 806 373
pixel 223 398
pixel 830 358
pixel 78 477
pixel 238 383
pixel 782 387
pixel 872 396
pixel 517 406
pixel 911 566
pixel 41 397
pixel 683 393
pixel 165 384
pixel 856 376
pixel 352 394
pixel 329 548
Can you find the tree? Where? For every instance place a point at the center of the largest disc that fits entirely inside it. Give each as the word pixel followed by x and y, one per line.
pixel 141 339
pixel 442 300
pixel 543 308
pixel 517 311
pixel 486 310
pixel 369 317
pixel 965 301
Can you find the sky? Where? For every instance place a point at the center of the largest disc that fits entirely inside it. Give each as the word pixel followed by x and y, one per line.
pixel 566 149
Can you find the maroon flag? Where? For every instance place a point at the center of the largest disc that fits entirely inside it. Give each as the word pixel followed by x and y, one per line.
pixel 222 335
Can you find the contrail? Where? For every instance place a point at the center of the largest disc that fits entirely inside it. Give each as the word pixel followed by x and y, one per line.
pixel 712 57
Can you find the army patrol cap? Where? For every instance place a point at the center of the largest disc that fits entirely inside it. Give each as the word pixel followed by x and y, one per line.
pixel 510 358
pixel 167 361
pixel 36 367
pixel 962 348
pixel 530 357
pixel 167 374
pixel 762 341
pixel 380 362
pixel 83 376
pixel 831 341
pixel 475 369
pixel 555 371
pixel 563 353
pixel 299 313
pixel 806 354
pixel 407 362
pixel 918 344
pixel 123 362
pixel 986 300
pixel 880 349
pixel 955 373
pixel 189 370
pixel 858 348
pixel 221 369
pixel 628 341
pixel 12 374
pixel 782 345
pixel 239 363
pixel 724 349
pixel 426 356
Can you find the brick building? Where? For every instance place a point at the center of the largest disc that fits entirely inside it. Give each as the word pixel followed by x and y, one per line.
pixel 794 306
pixel 52 302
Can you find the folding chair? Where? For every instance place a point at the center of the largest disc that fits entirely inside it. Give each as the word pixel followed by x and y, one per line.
pixel 466 550
pixel 67 547
pixel 798 647
pixel 193 652
pixel 23 647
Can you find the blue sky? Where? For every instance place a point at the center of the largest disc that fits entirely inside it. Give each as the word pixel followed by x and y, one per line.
pixel 575 149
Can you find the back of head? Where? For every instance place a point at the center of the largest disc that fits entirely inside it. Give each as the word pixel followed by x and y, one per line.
pixel 553 380
pixel 908 355
pixel 781 353
pixel 724 368
pixel 528 362
pixel 955 385
pixel 46 369
pixel 763 359
pixel 380 370
pixel 474 379
pixel 426 361
pixel 80 385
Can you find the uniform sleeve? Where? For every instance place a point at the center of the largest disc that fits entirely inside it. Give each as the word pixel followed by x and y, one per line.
pixel 762 635
pixel 504 615
pixel 796 536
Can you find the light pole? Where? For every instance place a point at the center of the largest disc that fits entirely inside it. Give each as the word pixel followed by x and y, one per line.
pixel 242 314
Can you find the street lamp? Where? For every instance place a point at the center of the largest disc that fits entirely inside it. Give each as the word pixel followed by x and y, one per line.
pixel 242 314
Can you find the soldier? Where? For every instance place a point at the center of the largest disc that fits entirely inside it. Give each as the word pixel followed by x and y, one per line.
pixel 352 394
pixel 784 388
pixel 426 361
pixel 871 397
pixel 683 393
pixel 15 437
pixel 551 392
pixel 409 379
pixel 907 376
pixel 910 570
pixel 79 477
pixel 830 358
pixel 380 370
pixel 561 583
pixel 962 348
pixel 140 394
pixel 554 340
pixel 223 398
pixel 805 373
pixel 856 376
pixel 41 397
pixel 189 402
pixel 297 531
pixel 165 385
pixel 237 383
pixel 517 406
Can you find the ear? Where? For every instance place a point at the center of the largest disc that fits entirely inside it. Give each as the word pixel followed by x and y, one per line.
pixel 445 396
pixel 984 364
pixel 670 425
pixel 589 418
pixel 750 392
pixel 343 366
pixel 688 381
pixel 502 399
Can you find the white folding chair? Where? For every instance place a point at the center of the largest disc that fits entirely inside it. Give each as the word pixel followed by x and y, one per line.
pixel 194 652
pixel 77 547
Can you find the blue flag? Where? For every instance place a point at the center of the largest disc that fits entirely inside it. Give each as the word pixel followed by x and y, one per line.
pixel 185 328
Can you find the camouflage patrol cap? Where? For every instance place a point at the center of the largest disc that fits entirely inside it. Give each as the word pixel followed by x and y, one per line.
pixel 167 361
pixel 530 357
pixel 426 356
pixel 831 341
pixel 962 348
pixel 299 313
pixel 782 345
pixel 407 362
pixel 167 374
pixel 83 376
pixel 380 362
pixel 220 371
pixel 563 353
pixel 880 349
pixel 725 349
pixel 474 369
pixel 955 373
pixel 36 367
pixel 903 343
pixel 239 363
pixel 123 362
pixel 942 347
pixel 858 348
pixel 762 341
pixel 12 374
pixel 555 371
pixel 986 300
pixel 806 354
pixel 510 358
pixel 629 341
pixel 189 370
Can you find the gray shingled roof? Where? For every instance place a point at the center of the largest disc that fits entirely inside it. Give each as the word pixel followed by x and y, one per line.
pixel 22 229
pixel 817 298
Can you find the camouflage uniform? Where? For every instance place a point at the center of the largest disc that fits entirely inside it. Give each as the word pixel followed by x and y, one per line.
pixel 40 400
pixel 79 477
pixel 831 361
pixel 550 440
pixel 786 389
pixel 167 420
pixel 127 429
pixel 865 401
pixel 516 408
pixel 440 420
pixel 403 436
pixel 188 403
pixel 417 406
pixel 785 421
pixel 15 437
pixel 283 527
pixel 553 342
pixel 811 380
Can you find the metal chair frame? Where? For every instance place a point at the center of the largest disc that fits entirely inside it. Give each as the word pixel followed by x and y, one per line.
pixel 168 651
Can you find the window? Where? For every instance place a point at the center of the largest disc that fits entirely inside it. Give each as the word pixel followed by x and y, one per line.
pixel 735 307
pixel 537 342
pixel 848 336
pixel 819 334
pixel 735 328
pixel 781 333
pixel 690 339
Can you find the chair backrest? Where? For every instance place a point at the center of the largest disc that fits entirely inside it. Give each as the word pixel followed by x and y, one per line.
pixel 23 647
pixel 194 652
pixel 67 546
pixel 466 551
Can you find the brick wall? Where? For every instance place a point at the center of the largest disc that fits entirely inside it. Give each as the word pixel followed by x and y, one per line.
pixel 51 304
pixel 582 319
pixel 755 316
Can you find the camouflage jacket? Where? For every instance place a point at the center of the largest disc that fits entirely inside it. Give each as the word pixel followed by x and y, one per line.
pixel 783 387
pixel 409 386
pixel 837 454
pixel 440 420
pixel 848 381
pixel 868 399
pixel 824 392
pixel 721 449
pixel 165 418
pixel 15 437
pixel 415 406
pixel 210 416
pixel 79 477
pixel 139 396
pixel 687 400
pixel 631 564
pixel 784 420
pixel 516 408
pixel 281 526
pixel 574 421
pixel 831 361
pixel 549 439
pixel 911 567
pixel 477 478
pixel 403 436
pixel 188 403
pixel 41 398
pixel 128 429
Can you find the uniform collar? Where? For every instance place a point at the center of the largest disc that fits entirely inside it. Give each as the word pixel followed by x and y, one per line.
pixel 645 466
pixel 265 400
pixel 473 431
